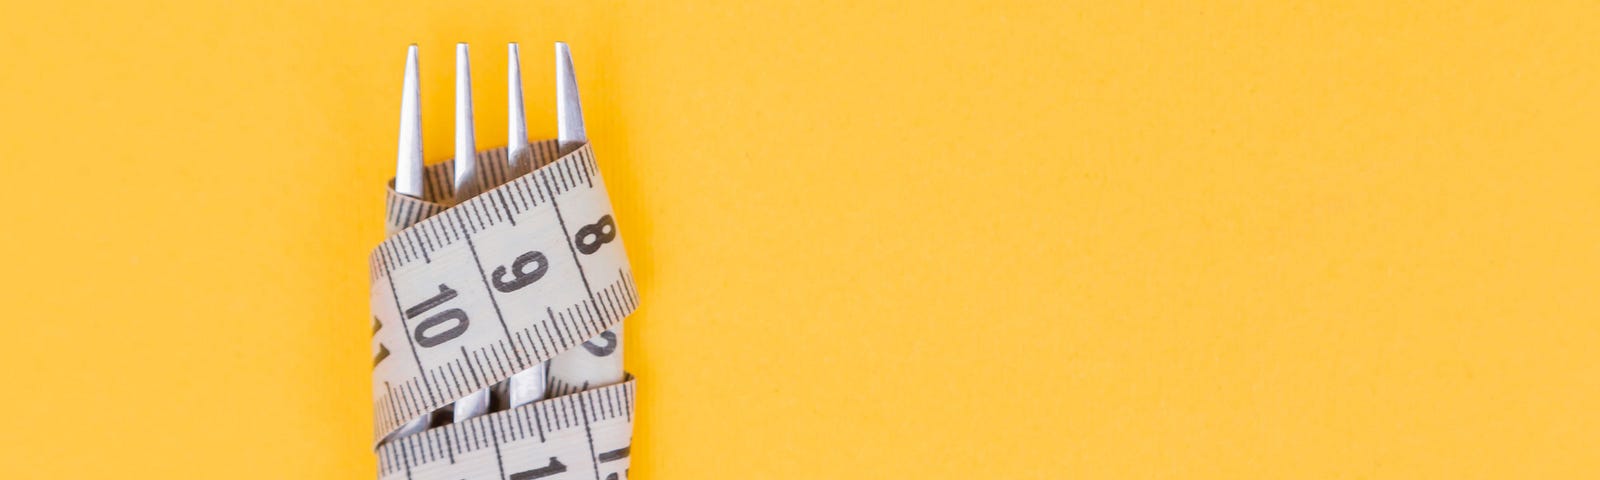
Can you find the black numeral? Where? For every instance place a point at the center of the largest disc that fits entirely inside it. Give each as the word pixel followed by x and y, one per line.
pixel 424 339
pixel 601 351
pixel 617 454
pixel 591 237
pixel 520 275
pixel 445 294
pixel 421 335
pixel 553 468
pixel 613 456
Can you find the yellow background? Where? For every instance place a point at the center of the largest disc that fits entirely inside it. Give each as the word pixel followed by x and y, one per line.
pixel 979 239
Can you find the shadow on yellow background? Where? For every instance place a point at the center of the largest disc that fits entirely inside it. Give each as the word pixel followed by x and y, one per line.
pixel 954 240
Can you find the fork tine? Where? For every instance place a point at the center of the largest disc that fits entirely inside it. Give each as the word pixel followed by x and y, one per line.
pixel 408 165
pixel 517 124
pixel 466 159
pixel 569 113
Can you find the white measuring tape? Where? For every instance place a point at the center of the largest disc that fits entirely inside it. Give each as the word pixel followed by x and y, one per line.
pixel 465 296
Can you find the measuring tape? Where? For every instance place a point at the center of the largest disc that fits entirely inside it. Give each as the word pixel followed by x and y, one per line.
pixel 467 295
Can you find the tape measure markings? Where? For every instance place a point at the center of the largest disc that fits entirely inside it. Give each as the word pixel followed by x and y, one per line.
pixel 573 246
pixel 597 412
pixel 438 185
pixel 577 433
pixel 484 277
pixel 415 216
pixel 559 322
pixel 434 381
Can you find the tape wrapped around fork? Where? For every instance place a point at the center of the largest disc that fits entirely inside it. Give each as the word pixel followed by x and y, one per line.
pixel 465 296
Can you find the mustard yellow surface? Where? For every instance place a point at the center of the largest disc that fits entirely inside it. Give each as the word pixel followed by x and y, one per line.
pixel 931 240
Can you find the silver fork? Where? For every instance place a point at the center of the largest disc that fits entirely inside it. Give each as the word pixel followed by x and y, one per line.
pixel 580 367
